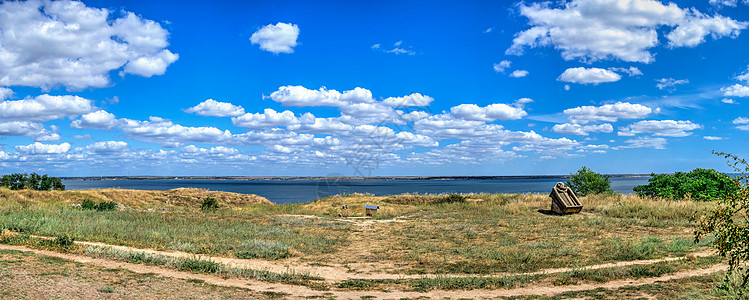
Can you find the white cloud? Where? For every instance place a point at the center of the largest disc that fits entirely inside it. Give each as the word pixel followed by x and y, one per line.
pixel 669 82
pixel 519 73
pixel 39 148
pixel 215 108
pixel 397 49
pixel 741 120
pixel 728 101
pixel 743 127
pixel 168 134
pixel 300 96
pixel 669 128
pixel 269 119
pixel 44 108
pixel 489 113
pixel 5 93
pixel 502 66
pixel 577 129
pixel 107 147
pixel 585 76
pixel 100 119
pixel 631 71
pixel 713 138
pixel 20 128
pixel 279 38
pixel 696 26
pixel 592 30
pixel 607 113
pixel 731 3
pixel 414 99
pixel 51 43
pixel 151 65
pixel 736 90
pixel 646 142
pixel 47 136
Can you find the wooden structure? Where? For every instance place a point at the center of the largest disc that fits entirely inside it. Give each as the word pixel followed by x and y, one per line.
pixel 371 209
pixel 563 200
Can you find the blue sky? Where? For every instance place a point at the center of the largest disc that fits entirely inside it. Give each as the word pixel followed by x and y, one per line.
pixel 276 88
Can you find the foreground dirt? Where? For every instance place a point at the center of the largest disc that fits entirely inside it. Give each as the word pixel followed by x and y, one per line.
pixel 264 288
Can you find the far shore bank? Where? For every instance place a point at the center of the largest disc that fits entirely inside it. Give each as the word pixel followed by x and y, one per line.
pixel 358 178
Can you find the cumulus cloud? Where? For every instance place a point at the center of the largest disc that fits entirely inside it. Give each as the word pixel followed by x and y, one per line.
pixel 728 101
pixel 502 66
pixel 607 113
pixel 5 93
pixel 107 147
pixel 577 129
pixel 52 43
pixel 592 30
pixel 631 71
pixel 44 108
pixel 414 99
pixel 736 90
pixel 586 76
pixel 100 119
pixel 646 142
pixel 215 108
pixel 269 119
pixel 741 120
pixel 519 73
pixel 168 134
pixel 300 96
pixel 668 128
pixel 279 38
pixel 669 82
pixel 713 138
pixel 39 148
pixel 20 128
pixel 489 113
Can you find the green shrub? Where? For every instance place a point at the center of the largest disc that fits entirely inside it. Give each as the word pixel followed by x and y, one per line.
pixel 64 241
pixel 586 182
pixel 103 206
pixel 699 184
pixel 209 204
pixel 88 205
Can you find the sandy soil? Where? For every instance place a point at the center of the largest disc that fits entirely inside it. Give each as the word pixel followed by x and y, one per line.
pixel 301 291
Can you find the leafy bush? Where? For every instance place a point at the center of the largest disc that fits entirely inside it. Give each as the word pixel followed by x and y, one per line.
pixel 103 206
pixel 209 204
pixel 729 224
pixel 64 241
pixel 699 184
pixel 33 181
pixel 586 182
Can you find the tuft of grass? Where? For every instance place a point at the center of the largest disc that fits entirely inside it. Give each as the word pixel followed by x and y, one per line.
pixel 209 204
pixel 262 249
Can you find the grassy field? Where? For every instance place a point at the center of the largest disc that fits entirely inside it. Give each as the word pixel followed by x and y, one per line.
pixel 474 234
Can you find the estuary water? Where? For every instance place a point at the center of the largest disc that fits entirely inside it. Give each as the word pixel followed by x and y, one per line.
pixel 298 191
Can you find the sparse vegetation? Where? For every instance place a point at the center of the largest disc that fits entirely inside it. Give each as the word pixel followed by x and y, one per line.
pixel 699 184
pixel 586 182
pixel 728 222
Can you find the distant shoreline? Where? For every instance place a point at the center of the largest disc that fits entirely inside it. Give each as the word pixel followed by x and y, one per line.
pixel 348 178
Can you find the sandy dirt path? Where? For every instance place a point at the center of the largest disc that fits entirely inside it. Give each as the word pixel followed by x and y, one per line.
pixel 340 273
pixel 301 291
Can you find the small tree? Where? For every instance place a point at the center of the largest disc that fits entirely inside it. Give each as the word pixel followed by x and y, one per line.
pixel 586 182
pixel 209 204
pixel 728 221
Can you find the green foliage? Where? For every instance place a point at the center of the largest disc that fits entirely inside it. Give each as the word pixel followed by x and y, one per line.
pixel 64 241
pixel 209 204
pixel 586 182
pixel 33 181
pixel 103 206
pixel 728 222
pixel 699 184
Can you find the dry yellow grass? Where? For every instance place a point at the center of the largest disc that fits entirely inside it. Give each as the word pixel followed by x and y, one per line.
pixel 181 197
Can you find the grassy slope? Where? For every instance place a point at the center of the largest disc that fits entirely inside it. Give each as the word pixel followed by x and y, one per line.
pixel 486 233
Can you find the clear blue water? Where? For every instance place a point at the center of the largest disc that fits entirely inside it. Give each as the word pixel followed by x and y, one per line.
pixel 297 191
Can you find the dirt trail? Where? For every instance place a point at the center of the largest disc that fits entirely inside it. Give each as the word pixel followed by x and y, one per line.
pixel 340 273
pixel 300 291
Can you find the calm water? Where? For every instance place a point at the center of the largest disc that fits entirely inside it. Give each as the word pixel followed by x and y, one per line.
pixel 297 191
